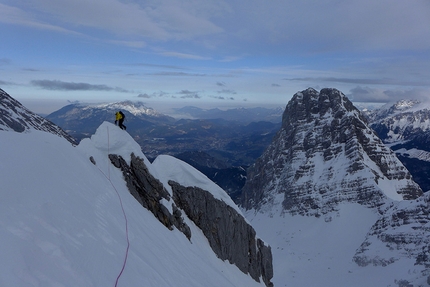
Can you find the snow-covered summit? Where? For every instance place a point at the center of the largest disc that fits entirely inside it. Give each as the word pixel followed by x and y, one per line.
pixel 135 108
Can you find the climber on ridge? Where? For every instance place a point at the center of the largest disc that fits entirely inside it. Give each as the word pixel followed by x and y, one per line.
pixel 119 119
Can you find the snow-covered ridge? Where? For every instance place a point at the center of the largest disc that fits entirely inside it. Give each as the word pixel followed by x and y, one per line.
pixel 135 108
pixel 63 224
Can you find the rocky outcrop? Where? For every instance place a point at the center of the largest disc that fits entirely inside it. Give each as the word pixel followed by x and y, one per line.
pixel 325 154
pixel 229 235
pixel 149 192
pixel 14 116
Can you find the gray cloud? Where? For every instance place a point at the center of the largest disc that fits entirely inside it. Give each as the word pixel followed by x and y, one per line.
pixel 71 86
pixel 195 96
pixel 222 98
pixel 275 25
pixel 374 95
pixel 227 91
pixel 186 94
pixel 145 96
pixel 363 81
pixel 5 83
pixel 153 95
pixel 178 74
pixel 5 61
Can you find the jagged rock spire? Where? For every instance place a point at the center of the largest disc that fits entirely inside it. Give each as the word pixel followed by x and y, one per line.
pixel 325 154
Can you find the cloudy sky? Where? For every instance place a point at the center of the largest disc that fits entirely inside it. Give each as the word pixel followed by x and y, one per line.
pixel 232 52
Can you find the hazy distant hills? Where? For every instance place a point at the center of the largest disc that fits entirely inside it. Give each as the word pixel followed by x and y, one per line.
pixel 236 136
pixel 243 115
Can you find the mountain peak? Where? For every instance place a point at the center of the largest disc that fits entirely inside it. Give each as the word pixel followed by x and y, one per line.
pixel 15 117
pixel 325 154
pixel 135 108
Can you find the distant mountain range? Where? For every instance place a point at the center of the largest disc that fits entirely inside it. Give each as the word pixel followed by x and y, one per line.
pixel 243 115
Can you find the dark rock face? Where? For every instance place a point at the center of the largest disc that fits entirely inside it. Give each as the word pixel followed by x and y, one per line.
pixel 149 191
pixel 229 235
pixel 324 154
pixel 14 116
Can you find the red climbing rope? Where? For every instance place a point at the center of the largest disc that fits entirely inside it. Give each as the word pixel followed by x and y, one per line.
pixel 126 234
pixel 124 214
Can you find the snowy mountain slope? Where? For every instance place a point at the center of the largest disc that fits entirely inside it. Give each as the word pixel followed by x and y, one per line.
pixel 62 222
pixel 392 109
pixel 335 204
pixel 309 251
pixel 15 117
pixel 404 228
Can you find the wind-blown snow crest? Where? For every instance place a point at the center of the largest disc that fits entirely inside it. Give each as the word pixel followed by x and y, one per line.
pixel 61 222
pixel 170 168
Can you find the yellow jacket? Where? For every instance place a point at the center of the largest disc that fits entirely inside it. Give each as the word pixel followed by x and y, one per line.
pixel 118 116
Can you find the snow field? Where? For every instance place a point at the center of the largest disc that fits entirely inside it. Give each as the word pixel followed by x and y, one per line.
pixel 61 222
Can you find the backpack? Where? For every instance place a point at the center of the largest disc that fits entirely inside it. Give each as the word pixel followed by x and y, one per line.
pixel 122 115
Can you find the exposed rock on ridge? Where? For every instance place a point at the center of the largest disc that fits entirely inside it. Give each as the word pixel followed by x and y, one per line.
pixel 14 116
pixel 229 235
pixel 324 154
pixel 149 192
